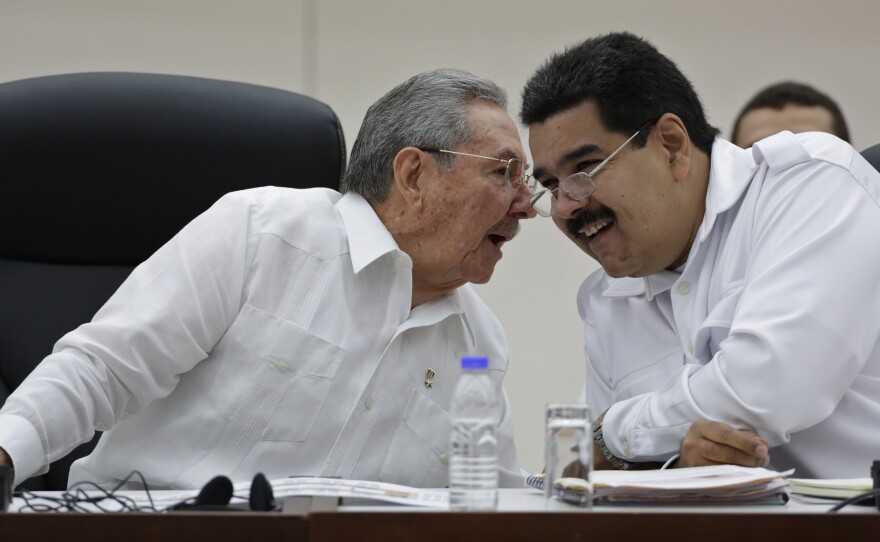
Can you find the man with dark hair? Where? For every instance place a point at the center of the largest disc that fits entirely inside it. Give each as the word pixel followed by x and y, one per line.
pixel 301 331
pixel 787 106
pixel 737 308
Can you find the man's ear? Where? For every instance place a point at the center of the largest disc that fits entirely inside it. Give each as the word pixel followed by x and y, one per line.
pixel 410 165
pixel 676 143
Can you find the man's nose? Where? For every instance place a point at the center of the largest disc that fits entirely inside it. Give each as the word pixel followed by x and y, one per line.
pixel 520 207
pixel 566 207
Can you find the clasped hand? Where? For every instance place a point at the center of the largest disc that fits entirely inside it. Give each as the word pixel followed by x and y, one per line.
pixel 715 443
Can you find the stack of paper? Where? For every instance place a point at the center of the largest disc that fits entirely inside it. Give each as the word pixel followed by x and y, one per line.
pixel 842 488
pixel 721 484
pixel 360 489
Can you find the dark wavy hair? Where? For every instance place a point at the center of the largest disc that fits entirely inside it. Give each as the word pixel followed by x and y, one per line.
pixel 629 81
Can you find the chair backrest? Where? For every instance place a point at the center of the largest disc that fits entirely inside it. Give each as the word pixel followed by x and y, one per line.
pixel 872 155
pixel 100 169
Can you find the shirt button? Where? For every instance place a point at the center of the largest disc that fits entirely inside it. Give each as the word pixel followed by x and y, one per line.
pixel 691 347
pixel 444 459
pixel 684 288
pixel 368 403
pixel 281 366
pixel 626 449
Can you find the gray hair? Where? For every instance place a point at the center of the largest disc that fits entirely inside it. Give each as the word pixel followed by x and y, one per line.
pixel 429 110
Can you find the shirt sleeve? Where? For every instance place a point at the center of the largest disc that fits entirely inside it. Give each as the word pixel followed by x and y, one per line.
pixel 803 329
pixel 164 319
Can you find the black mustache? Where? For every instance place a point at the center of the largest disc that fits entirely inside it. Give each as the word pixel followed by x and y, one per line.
pixel 577 222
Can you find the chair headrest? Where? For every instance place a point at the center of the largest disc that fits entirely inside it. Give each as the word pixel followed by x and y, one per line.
pixel 872 155
pixel 106 167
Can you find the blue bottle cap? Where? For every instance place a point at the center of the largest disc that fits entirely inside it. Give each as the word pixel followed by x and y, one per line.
pixel 474 362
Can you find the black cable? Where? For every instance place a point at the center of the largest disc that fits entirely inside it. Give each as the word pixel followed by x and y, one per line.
pixel 852 500
pixel 83 493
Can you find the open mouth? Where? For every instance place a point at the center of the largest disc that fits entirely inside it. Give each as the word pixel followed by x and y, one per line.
pixel 596 229
pixel 503 232
pixel 496 239
pixel 591 224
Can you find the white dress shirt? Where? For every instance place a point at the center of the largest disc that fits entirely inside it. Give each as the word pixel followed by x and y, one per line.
pixel 273 334
pixel 772 324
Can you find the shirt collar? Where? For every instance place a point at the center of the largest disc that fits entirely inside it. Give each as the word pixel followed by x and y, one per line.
pixel 729 174
pixel 623 287
pixel 468 335
pixel 451 306
pixel 660 282
pixel 650 286
pixel 368 238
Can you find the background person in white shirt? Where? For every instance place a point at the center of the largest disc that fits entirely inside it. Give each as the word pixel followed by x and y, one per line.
pixel 738 286
pixel 301 332
pixel 791 106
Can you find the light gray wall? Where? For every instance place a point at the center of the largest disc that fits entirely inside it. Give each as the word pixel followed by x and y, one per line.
pixel 348 53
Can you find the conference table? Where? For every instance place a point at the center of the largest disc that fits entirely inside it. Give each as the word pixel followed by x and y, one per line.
pixel 522 514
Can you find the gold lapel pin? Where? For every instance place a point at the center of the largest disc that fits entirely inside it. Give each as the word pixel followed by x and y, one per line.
pixel 429 375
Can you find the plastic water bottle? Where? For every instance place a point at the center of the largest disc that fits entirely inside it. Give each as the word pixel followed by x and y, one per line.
pixel 473 462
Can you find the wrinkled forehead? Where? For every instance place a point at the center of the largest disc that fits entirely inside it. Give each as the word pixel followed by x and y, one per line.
pixel 566 136
pixel 493 132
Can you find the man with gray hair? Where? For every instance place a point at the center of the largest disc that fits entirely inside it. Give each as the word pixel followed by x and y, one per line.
pixel 301 332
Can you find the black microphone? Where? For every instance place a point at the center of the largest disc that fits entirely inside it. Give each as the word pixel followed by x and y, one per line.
pixel 217 492
pixel 215 495
pixel 262 498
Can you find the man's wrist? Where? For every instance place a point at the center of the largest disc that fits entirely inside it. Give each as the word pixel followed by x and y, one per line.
pixel 599 461
pixel 606 454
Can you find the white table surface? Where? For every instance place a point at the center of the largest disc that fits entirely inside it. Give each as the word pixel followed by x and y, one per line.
pixel 531 500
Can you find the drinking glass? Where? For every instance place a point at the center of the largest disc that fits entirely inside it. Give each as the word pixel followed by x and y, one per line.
pixel 568 452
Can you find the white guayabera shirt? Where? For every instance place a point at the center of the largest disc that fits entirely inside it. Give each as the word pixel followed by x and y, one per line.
pixel 772 324
pixel 273 334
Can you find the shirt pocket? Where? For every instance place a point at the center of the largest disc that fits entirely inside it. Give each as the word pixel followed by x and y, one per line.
pixel 417 456
pixel 716 326
pixel 649 377
pixel 275 375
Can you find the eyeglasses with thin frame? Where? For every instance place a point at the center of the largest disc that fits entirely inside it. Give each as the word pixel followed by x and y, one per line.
pixel 578 186
pixel 514 173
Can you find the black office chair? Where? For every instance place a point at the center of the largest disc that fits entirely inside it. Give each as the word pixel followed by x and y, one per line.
pixel 872 155
pixel 100 169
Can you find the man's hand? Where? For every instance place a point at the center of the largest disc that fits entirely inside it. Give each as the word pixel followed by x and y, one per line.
pixel 714 443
